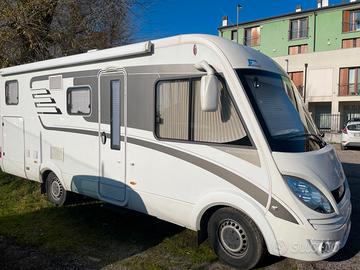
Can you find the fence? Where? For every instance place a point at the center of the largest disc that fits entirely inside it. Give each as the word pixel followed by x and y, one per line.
pixel 327 122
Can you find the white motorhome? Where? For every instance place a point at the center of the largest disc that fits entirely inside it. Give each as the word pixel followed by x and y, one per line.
pixel 193 129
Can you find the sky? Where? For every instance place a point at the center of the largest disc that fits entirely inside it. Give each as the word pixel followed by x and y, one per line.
pixel 164 18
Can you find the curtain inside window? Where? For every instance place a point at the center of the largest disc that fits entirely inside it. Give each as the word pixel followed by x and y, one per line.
pixel 172 112
pixel 221 126
pixel 80 101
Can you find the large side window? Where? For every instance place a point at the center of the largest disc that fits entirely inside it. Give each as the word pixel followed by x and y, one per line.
pixel 79 100
pixel 12 93
pixel 179 115
pixel 172 109
pixel 115 114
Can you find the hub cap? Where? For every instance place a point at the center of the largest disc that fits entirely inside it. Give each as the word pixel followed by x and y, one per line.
pixel 56 189
pixel 233 238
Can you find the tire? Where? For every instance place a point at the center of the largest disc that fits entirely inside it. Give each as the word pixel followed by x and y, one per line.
pixel 235 238
pixel 55 191
pixel 343 147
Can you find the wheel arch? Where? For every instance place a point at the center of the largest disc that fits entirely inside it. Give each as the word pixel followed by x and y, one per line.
pixel 45 170
pixel 212 202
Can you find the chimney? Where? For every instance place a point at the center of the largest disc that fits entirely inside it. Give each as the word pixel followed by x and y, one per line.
pixel 298 8
pixel 322 3
pixel 225 21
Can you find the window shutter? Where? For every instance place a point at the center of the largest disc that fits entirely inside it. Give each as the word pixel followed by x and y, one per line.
pixel 255 35
pixel 347 43
pixel 346 21
pixel 304 48
pixel 344 81
pixel 293 50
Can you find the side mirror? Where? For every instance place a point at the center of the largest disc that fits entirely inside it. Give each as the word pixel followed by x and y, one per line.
pixel 209 93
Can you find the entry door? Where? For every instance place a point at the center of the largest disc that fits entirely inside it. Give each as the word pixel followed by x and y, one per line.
pixel 112 183
pixel 13 145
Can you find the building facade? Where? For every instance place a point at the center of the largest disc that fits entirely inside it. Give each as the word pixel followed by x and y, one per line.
pixel 320 49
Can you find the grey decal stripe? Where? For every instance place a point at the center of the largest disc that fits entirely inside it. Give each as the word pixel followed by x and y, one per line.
pixel 70 130
pixel 93 72
pixel 281 211
pixel 244 185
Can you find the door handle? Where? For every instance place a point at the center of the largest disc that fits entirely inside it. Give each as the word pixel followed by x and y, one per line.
pixel 103 137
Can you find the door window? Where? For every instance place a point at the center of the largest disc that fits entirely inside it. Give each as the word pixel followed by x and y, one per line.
pixel 115 116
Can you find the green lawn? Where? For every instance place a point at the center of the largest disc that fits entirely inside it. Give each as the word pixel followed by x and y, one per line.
pixel 94 233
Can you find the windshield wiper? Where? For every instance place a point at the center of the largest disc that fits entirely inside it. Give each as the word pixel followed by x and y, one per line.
pixel 314 137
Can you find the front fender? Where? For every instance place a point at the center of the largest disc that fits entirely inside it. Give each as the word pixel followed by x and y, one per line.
pixel 241 202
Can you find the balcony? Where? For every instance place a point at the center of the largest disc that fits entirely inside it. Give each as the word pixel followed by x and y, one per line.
pixel 298 33
pixel 252 42
pixel 351 89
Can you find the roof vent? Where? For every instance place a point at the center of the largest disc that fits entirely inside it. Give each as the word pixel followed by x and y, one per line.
pixel 298 8
pixel 225 21
pixel 322 3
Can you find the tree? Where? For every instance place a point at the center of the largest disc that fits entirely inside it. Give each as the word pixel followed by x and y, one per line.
pixel 32 30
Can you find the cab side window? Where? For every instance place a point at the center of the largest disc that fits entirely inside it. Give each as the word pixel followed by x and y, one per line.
pixel 179 115
pixel 12 93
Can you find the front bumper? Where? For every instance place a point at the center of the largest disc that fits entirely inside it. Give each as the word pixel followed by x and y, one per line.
pixel 317 240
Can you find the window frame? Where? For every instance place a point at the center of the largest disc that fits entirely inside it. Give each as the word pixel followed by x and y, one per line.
pixel 192 78
pixel 236 31
pixel 346 25
pixel 17 91
pixel 298 48
pixel 307 28
pixel 354 42
pixel 78 87
pixel 251 36
pixel 347 85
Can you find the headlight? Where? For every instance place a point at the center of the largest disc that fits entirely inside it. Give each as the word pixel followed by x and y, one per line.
pixel 309 195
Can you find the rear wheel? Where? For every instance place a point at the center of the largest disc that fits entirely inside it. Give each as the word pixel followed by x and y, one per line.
pixel 235 238
pixel 55 191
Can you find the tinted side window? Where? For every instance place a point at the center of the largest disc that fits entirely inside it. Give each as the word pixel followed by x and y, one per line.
pixel 354 127
pixel 12 93
pixel 179 115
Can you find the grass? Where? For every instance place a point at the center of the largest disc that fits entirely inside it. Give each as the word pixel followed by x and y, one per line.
pixel 92 232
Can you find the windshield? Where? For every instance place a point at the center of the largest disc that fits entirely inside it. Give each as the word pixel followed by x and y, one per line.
pixel 280 111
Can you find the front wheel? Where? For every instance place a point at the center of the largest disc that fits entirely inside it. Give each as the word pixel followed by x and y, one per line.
pixel 55 191
pixel 235 238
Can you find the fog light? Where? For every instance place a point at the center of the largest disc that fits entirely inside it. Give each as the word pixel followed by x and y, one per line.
pixel 325 247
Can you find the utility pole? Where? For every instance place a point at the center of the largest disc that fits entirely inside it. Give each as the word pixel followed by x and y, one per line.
pixel 238 7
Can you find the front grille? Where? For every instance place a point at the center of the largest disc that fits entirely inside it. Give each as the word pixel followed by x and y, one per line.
pixel 339 193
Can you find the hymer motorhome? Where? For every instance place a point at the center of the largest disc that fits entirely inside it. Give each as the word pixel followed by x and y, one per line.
pixel 193 129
